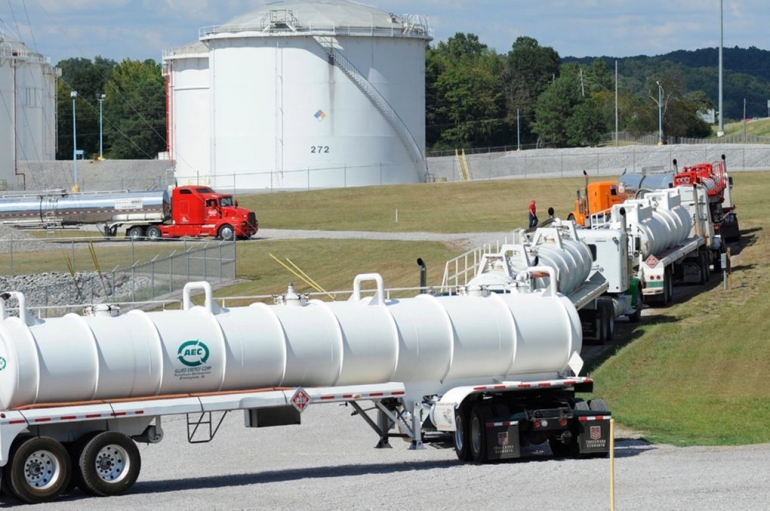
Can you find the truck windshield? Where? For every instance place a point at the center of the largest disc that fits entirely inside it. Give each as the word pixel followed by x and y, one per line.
pixel 226 201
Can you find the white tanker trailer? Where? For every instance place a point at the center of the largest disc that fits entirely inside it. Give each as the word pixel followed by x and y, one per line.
pixel 593 270
pixel 671 236
pixel 497 371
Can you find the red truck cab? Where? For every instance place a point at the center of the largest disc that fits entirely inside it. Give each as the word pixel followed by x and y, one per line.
pixel 200 211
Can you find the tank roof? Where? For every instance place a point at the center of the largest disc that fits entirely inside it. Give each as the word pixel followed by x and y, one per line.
pixel 307 17
pixel 11 46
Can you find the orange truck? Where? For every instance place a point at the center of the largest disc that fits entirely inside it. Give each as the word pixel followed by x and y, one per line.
pixel 599 198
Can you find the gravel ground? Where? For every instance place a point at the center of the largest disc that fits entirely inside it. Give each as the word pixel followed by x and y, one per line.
pixel 329 463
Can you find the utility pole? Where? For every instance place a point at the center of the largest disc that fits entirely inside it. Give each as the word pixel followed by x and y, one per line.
pixel 616 103
pixel 721 129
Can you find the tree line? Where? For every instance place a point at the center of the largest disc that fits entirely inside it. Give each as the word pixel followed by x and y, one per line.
pixel 475 97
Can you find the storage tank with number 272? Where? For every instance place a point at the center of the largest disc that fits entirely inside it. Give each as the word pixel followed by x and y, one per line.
pixel 300 95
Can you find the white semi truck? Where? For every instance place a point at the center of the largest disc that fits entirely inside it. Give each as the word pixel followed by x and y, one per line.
pixel 494 371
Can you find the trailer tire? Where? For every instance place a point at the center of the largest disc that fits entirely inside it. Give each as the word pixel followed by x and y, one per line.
pixel 478 433
pixel 461 439
pixel 39 470
pixel 226 233
pixel 109 464
pixel 135 233
pixel 153 233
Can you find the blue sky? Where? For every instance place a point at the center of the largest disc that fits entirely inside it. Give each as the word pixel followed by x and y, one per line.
pixel 141 29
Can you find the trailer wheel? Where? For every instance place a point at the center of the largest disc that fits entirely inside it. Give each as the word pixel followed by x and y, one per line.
pixel 461 439
pixel 153 233
pixel 136 232
pixel 226 232
pixel 39 470
pixel 109 464
pixel 478 433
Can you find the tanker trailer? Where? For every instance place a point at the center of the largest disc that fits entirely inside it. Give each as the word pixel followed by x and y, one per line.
pixel 593 270
pixel 60 208
pixel 664 238
pixel 497 371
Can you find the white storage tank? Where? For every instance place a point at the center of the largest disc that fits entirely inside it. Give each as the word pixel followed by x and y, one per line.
pixel 28 126
pixel 305 94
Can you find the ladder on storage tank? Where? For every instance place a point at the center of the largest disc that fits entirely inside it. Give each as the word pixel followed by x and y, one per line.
pixel 378 100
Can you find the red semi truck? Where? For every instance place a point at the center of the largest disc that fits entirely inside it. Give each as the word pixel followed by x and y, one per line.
pixel 200 211
pixel 183 211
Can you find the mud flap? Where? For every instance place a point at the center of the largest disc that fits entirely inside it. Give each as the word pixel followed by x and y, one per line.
pixel 594 436
pixel 503 440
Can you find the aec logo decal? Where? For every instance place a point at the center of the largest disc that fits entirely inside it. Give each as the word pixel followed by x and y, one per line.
pixel 2 363
pixel 193 353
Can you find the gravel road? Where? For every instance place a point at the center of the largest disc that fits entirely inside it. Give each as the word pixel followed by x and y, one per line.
pixel 329 463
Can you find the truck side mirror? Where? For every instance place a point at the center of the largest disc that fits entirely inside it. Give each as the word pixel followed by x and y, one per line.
pixel 236 203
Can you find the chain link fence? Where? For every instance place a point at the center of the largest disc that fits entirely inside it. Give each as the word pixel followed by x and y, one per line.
pixel 55 291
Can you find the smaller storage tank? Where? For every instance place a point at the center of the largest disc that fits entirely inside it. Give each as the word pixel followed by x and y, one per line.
pixel 28 118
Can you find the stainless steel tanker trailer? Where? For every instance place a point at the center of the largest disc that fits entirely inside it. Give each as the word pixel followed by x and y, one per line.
pixel 495 372
pixel 183 211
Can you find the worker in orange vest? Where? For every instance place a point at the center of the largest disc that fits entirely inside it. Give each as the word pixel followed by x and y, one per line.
pixel 532 214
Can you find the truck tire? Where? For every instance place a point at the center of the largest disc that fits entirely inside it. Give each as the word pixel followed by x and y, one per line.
pixel 153 233
pixel 597 405
pixel 601 323
pixel 461 439
pixel 636 316
pixel 610 312
pixel 226 233
pixel 478 433
pixel 39 470
pixel 108 465
pixel 136 232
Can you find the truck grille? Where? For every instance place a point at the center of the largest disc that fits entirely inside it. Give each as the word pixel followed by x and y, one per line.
pixel 252 219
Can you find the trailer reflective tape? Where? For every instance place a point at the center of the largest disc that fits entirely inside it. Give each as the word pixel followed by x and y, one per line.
pixel 43 419
pixel 17 421
pixel 69 417
pixel 524 386
pixel 595 418
pixel 398 393
pixel 93 416
pixel 544 384
pixel 502 424
pixel 377 394
pixel 118 414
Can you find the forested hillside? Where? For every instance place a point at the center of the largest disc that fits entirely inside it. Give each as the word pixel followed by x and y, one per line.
pixel 746 75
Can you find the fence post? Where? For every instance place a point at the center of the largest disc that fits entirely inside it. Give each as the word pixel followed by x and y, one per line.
pixel 187 262
pixel 171 273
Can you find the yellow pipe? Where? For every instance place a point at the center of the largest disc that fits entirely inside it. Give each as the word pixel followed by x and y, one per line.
pixel 315 284
pixel 612 464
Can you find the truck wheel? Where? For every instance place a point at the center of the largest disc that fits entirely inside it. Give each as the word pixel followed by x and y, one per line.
pixel 153 233
pixel 636 316
pixel 601 323
pixel 461 434
pixel 39 470
pixel 227 233
pixel 478 433
pixel 135 233
pixel 108 464
pixel 597 405
pixel 610 311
